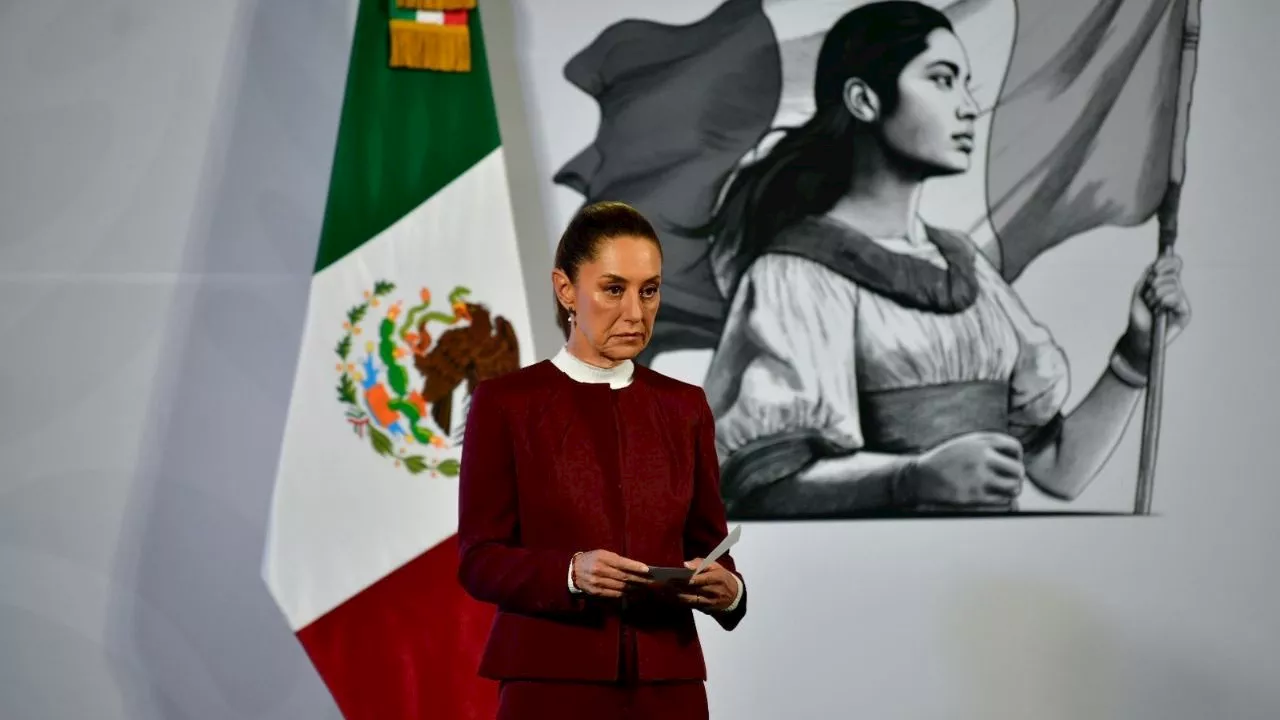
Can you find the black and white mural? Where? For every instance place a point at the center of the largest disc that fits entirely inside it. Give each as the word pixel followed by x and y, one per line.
pixel 855 199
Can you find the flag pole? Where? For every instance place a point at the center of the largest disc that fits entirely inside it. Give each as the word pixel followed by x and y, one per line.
pixel 1168 219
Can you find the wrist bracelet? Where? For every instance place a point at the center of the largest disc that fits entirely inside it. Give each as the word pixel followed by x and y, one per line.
pixel 1125 372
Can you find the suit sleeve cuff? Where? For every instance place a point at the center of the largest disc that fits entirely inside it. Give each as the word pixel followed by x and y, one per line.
pixel 574 589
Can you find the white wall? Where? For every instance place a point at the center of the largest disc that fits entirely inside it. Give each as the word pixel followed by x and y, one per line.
pixel 162 176
pixel 163 169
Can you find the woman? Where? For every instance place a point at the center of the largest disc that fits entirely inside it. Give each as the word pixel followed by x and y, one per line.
pixel 872 364
pixel 580 472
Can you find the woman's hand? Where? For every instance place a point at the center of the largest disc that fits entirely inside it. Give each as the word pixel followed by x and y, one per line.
pixel 1159 289
pixel 715 588
pixel 981 468
pixel 607 574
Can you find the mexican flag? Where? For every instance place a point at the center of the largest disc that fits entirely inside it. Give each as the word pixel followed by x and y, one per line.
pixel 417 295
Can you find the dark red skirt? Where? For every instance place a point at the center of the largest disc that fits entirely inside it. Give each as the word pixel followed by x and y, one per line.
pixel 547 700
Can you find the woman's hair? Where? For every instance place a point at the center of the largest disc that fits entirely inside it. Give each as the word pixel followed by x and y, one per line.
pixel 591 226
pixel 811 166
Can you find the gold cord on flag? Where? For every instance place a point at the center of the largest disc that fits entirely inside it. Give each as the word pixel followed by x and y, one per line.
pixel 431 39
pixel 436 4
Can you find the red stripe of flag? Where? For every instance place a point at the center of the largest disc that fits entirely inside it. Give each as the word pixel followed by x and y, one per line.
pixel 408 646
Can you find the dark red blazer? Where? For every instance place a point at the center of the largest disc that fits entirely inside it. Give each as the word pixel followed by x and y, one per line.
pixel 552 466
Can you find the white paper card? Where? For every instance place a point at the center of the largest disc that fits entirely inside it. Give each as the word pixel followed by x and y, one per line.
pixel 721 549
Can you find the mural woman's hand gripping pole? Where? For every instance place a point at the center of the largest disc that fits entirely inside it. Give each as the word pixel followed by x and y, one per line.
pixel 1168 218
pixel 1158 311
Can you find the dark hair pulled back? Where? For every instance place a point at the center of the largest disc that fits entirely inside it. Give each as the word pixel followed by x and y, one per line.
pixel 587 231
pixel 811 166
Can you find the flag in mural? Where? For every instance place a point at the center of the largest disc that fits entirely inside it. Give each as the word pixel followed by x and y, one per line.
pixel 417 295
pixel 1108 73
pixel 1080 131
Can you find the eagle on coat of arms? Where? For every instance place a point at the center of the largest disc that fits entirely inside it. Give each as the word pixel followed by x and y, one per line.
pixel 400 393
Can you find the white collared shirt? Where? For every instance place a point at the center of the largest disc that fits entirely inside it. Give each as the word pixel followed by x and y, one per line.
pixel 618 376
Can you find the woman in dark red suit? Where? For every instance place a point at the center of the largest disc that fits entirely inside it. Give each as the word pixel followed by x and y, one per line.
pixel 580 472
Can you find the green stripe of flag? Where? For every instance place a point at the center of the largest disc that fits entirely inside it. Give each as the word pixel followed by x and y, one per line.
pixel 396 13
pixel 404 134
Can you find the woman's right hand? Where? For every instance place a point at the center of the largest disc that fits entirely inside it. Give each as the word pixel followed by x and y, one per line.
pixel 607 574
pixel 983 468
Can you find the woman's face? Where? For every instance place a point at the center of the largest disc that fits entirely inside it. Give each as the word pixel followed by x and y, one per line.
pixel 616 297
pixel 933 123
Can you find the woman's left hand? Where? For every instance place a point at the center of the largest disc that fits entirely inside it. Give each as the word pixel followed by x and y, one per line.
pixel 712 589
pixel 1160 289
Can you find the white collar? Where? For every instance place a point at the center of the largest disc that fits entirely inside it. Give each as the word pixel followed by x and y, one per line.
pixel 618 376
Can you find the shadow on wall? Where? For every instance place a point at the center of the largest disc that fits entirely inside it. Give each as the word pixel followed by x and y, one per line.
pixel 195 632
pixel 1032 649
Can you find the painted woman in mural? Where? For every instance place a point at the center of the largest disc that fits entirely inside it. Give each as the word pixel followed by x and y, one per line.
pixel 870 363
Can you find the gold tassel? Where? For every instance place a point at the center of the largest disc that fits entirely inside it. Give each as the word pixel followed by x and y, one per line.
pixel 424 46
pixel 436 4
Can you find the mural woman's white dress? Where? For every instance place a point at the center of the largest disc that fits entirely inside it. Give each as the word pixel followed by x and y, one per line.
pixel 837 343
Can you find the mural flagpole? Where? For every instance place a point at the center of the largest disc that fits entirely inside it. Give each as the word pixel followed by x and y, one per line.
pixel 1168 220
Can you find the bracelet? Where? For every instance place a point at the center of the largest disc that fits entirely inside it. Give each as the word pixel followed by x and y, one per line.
pixel 1125 372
